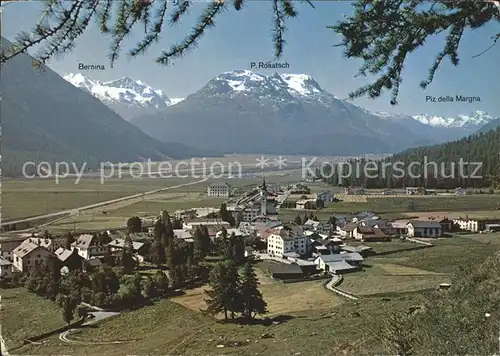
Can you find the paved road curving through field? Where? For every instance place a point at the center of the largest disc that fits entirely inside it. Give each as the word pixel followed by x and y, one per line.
pixel 331 286
pixel 98 316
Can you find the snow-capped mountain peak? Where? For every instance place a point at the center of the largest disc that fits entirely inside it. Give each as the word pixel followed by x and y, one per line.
pixel 280 87
pixel 123 91
pixel 474 120
pixel 79 80
pixel 302 84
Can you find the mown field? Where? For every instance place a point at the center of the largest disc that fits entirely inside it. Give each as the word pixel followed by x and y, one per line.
pixel 25 198
pixel 117 218
pixel 409 204
pixel 412 270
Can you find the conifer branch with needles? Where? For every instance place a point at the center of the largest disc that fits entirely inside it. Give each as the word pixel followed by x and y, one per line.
pixel 380 33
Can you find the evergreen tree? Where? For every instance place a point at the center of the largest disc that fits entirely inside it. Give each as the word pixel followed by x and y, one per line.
pixel 252 300
pixel 177 276
pixel 128 262
pixel 200 244
pixel 169 231
pixel 365 34
pixel 69 239
pixel 238 249
pixel 104 238
pixel 68 311
pixel 159 230
pixel 177 224
pixel 229 247
pixel 298 220
pixel 108 257
pixel 207 240
pixel 224 296
pixel 170 255
pixel 51 271
pixel 221 242
pixel 157 253
pixel 225 215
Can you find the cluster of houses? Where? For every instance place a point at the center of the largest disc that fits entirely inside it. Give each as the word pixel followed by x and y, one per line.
pixel 249 205
pixel 20 253
pixel 321 246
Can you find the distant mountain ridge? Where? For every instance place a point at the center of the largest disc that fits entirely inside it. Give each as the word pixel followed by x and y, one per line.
pixel 44 118
pixel 492 125
pixel 468 122
pixel 133 98
pixel 242 111
pixel 126 96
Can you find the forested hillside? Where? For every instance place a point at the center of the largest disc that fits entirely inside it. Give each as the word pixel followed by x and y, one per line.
pixel 471 162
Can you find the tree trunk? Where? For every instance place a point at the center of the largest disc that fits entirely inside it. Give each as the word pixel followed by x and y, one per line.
pixel 225 314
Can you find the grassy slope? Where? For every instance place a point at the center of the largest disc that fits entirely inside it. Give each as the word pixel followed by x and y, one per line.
pixel 25 314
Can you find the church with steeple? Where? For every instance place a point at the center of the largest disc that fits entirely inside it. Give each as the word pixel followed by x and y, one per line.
pixel 263 197
pixel 267 202
pixel 257 205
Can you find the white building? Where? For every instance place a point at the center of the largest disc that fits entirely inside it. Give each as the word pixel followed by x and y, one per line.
pixel 338 263
pixel 319 227
pixel 88 247
pixel 219 190
pixel 5 268
pixel 287 239
pixel 29 254
pixel 246 213
pixel 424 228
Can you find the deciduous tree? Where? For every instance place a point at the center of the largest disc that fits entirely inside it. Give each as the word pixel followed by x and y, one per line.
pixel 134 224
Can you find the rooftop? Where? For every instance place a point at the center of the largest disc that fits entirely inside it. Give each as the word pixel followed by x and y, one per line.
pixel 352 256
pixel 62 254
pixel 425 224
pixel 4 262
pixel 25 248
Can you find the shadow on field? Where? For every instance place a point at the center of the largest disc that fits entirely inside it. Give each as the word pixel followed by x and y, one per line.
pixel 265 322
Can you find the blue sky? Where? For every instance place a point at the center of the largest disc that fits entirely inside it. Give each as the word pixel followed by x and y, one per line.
pixel 240 38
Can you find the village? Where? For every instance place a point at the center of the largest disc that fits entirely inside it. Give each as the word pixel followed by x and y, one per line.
pixel 301 257
pixel 303 248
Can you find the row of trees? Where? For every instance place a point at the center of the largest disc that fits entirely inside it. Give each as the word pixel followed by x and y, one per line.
pixel 310 216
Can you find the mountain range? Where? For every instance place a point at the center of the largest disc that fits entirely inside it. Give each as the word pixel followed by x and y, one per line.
pixel 45 118
pixel 467 122
pixel 244 112
pixel 127 97
pixel 132 98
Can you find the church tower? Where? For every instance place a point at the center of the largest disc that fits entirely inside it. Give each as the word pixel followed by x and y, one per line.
pixel 263 198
